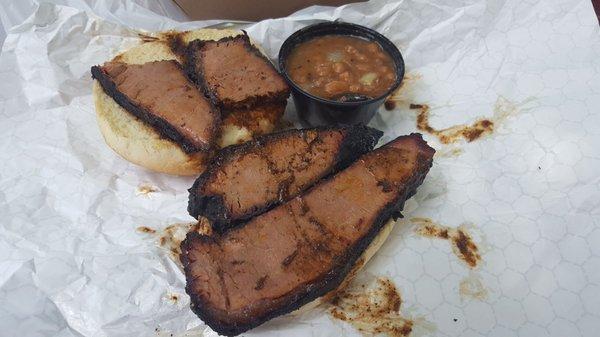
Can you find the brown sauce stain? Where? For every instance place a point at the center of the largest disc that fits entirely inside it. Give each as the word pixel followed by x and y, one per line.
pixel 146 189
pixel 455 133
pixel 392 101
pixel 372 310
pixel 468 250
pixel 407 80
pixel 390 105
pixel 173 298
pixel 146 230
pixel 472 287
pixel 463 246
pixel 170 237
pixel 462 243
pixel 502 109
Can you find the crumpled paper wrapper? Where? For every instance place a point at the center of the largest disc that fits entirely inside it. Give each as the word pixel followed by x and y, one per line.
pixel 74 261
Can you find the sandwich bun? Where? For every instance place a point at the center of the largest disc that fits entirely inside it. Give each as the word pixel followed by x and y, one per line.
pixel 139 143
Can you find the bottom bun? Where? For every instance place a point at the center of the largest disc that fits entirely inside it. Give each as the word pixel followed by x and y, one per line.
pixel 139 143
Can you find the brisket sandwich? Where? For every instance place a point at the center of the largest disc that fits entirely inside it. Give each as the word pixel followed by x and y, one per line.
pixel 152 114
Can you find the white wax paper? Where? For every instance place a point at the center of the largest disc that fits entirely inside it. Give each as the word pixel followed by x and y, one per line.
pixel 73 264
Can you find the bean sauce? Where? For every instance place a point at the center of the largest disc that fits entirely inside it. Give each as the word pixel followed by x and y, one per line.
pixel 336 67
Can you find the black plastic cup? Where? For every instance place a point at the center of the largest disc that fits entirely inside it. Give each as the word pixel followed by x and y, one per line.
pixel 317 111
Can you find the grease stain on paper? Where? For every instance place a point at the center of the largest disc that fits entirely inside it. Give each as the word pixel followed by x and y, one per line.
pixel 392 101
pixel 375 310
pixel 170 237
pixel 481 127
pixel 408 80
pixel 464 247
pixel 146 230
pixel 448 152
pixel 455 133
pixel 389 105
pixel 173 298
pixel 502 109
pixel 462 242
pixel 472 287
pixel 146 189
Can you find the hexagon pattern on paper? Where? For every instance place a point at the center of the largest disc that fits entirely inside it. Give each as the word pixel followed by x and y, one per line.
pixel 73 264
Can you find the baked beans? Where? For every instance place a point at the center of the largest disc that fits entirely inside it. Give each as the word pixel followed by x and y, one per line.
pixel 332 66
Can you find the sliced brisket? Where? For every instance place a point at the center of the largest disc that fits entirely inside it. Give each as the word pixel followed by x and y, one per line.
pixel 234 73
pixel 304 248
pixel 161 95
pixel 247 179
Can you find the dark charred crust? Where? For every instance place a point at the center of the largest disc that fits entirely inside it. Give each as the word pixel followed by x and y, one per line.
pixel 358 140
pixel 195 72
pixel 210 206
pixel 329 281
pixel 385 186
pixel 161 126
pixel 176 43
pixel 397 215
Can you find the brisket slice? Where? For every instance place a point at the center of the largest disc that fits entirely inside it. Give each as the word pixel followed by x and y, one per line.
pixel 302 249
pixel 234 73
pixel 247 179
pixel 161 95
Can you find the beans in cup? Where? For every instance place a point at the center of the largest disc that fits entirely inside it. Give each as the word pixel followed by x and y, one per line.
pixel 338 67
